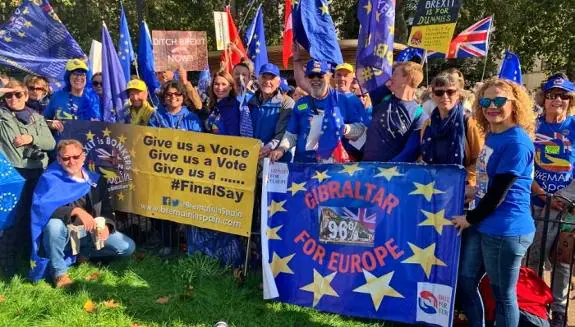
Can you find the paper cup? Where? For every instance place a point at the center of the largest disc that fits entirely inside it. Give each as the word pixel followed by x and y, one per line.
pixel 100 222
pixel 100 225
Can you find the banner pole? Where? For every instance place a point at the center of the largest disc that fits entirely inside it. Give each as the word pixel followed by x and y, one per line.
pixel 487 48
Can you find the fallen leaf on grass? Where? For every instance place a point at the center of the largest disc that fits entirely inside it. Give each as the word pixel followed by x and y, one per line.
pixel 93 276
pixel 188 292
pixel 111 304
pixel 136 325
pixel 2 298
pixel 89 306
pixel 140 255
pixel 163 299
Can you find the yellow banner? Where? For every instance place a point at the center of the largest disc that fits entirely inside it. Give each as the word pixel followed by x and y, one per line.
pixel 432 37
pixel 191 178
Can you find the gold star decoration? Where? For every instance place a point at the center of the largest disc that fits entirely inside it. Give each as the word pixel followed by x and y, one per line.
pixel 122 139
pixel 427 190
pixel 32 264
pixel 21 34
pixel 120 196
pixel 89 136
pixel 436 220
pixel 28 23
pixel 131 186
pixel 107 132
pixel 368 7
pixel 272 233
pixel 280 265
pixel 320 286
pixel 133 152
pixel 324 9
pixel 424 257
pixel 276 207
pixel 351 169
pixel 321 176
pixel 25 11
pixel 388 173
pixel 296 187
pixel 7 39
pixel 377 287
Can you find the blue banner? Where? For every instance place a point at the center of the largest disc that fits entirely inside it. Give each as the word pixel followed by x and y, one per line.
pixel 35 41
pixel 11 184
pixel 369 240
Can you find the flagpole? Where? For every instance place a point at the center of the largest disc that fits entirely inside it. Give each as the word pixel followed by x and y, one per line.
pixel 246 16
pixel 487 48
pixel 426 63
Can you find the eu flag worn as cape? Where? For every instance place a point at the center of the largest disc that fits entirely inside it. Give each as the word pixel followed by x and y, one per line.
pixel 125 49
pixel 54 189
pixel 511 68
pixel 375 42
pixel 256 41
pixel 11 184
pixel 146 62
pixel 36 41
pixel 113 81
pixel 372 240
pixel 314 30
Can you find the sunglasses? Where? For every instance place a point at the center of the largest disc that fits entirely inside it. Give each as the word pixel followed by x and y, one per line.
pixel 169 95
pixel 497 101
pixel 78 75
pixel 315 75
pixel 10 95
pixel 96 83
pixel 440 93
pixel 33 88
pixel 66 159
pixel 563 96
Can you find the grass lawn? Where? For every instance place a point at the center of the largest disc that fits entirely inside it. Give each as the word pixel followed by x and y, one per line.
pixel 148 291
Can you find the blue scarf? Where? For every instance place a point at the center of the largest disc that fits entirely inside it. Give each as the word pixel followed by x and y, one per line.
pixel 54 189
pixel 332 127
pixel 449 131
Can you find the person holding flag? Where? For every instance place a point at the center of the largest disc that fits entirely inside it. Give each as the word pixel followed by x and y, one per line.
pixel 321 120
pixel 137 109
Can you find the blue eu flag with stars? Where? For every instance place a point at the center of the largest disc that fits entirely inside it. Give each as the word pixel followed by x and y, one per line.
pixel 125 49
pixel 314 30
pixel 146 65
pixel 370 240
pixel 256 41
pixel 410 53
pixel 511 68
pixel 113 81
pixel 375 42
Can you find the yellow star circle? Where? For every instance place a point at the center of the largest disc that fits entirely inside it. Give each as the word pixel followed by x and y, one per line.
pixel 107 132
pixel 90 136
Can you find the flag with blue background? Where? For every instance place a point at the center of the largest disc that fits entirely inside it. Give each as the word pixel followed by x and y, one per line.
pixel 370 240
pixel 410 53
pixel 113 82
pixel 511 68
pixel 125 49
pixel 146 65
pixel 256 41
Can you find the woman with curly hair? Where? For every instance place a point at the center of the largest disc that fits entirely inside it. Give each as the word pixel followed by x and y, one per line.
pixel 500 224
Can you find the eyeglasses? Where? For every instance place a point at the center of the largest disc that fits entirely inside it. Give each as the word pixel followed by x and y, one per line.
pixel 10 95
pixel 169 95
pixel 553 96
pixel 78 75
pixel 440 93
pixel 66 159
pixel 315 75
pixel 96 83
pixel 497 101
pixel 33 88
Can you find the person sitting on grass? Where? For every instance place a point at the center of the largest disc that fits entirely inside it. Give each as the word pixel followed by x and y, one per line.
pixel 66 197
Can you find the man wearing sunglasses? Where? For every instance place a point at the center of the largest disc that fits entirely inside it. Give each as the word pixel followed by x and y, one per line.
pixel 68 196
pixel 137 109
pixel 321 120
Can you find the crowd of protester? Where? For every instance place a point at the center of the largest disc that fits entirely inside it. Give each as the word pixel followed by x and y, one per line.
pixel 514 155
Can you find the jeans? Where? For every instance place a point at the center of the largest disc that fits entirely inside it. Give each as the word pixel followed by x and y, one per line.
pixel 502 258
pixel 55 239
pixel 561 271
pixel 471 270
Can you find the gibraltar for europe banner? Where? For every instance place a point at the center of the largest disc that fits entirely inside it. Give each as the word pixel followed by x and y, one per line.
pixel 370 240
pixel 191 178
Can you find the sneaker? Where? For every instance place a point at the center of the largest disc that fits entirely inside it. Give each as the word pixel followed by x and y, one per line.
pixel 63 281
pixel 558 319
pixel 221 324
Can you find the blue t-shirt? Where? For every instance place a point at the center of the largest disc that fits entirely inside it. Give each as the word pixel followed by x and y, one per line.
pixel 554 156
pixel 304 110
pixel 183 120
pixel 509 152
pixel 65 106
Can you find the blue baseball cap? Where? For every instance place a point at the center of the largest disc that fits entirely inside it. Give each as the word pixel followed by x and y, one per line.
pixel 269 68
pixel 559 83
pixel 315 66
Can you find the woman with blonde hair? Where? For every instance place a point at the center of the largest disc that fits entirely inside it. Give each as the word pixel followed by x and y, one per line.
pixel 500 225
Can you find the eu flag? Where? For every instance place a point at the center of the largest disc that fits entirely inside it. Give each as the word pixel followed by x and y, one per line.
pixel 146 65
pixel 375 42
pixel 256 41
pixel 511 68
pixel 113 81
pixel 11 184
pixel 372 240
pixel 410 53
pixel 125 49
pixel 36 41
pixel 314 30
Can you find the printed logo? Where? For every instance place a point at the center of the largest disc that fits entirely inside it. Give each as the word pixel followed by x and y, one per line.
pixel 434 303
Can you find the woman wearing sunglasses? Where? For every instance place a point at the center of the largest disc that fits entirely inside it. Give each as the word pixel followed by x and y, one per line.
pixel 500 216
pixel 38 92
pixel 554 163
pixel 174 114
pixel 450 136
pixel 24 140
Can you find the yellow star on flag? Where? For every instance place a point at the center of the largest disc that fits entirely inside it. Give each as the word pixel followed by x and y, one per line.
pixel 324 9
pixel 120 196
pixel 131 186
pixel 133 152
pixel 296 187
pixel 388 173
pixel 25 11
pixel 377 16
pixel 427 190
pixel 89 136
pixel 122 139
pixel 424 257
pixel 8 39
pixel 321 176
pixel 436 220
pixel 280 265
pixel 28 23
pixel 276 207
pixel 272 233
pixel 107 132
pixel 21 34
pixel 377 287
pixel 368 7
pixel 32 264
pixel 320 286
pixel 351 169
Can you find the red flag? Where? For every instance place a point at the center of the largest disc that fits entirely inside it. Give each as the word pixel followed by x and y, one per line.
pixel 235 38
pixel 287 41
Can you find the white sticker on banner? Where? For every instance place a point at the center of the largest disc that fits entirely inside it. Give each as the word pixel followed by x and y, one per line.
pixel 278 177
pixel 434 303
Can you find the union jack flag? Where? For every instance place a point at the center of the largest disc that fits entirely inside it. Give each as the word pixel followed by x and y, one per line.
pixel 473 41
pixel 362 217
